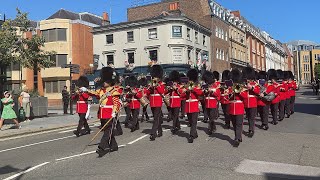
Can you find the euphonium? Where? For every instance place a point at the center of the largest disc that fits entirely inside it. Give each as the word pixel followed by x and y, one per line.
pixel 237 88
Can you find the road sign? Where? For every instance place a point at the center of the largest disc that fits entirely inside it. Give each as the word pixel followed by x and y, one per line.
pixel 74 68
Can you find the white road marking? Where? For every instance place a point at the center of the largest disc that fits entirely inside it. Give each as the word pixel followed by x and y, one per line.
pixel 33 144
pixel 261 168
pixel 73 129
pixel 138 139
pixel 26 171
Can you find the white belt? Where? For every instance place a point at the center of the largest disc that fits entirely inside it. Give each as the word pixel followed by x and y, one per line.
pixel 155 95
pixel 210 98
pixel 80 102
pixel 134 99
pixel 174 96
pixel 252 96
pixel 106 106
pixel 192 100
pixel 236 101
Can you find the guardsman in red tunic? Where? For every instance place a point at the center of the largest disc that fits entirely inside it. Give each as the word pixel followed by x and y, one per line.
pixel 133 98
pixel 282 94
pixel 263 104
pixel 143 83
pixel 236 105
pixel 156 93
pixel 82 97
pixel 183 99
pixel 120 90
pixel 216 76
pixel 292 91
pixel 286 75
pixel 192 92
pixel 251 102
pixel 274 107
pixel 109 100
pixel 224 98
pixel 211 97
pixel 174 91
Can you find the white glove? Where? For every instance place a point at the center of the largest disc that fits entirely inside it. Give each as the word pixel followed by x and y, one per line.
pixel 83 89
pixel 114 115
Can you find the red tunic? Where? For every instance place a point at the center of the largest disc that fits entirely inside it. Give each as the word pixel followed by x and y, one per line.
pixel 175 97
pixel 292 86
pixel 212 98
pixel 155 95
pixel 82 104
pixel 276 91
pixel 192 102
pixel 224 97
pixel 236 103
pixel 283 91
pixel 252 101
pixel 134 99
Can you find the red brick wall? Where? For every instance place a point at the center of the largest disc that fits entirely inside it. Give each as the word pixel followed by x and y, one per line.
pixel 82 47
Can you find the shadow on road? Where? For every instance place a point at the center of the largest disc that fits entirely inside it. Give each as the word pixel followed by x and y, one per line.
pixel 273 176
pixel 307 108
pixel 8 169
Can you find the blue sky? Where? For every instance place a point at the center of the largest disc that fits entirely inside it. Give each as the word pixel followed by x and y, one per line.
pixel 285 20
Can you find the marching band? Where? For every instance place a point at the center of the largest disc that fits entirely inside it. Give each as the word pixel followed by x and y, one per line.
pixel 242 95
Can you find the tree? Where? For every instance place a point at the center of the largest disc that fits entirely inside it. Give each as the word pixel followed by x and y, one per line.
pixel 18 48
pixel 317 70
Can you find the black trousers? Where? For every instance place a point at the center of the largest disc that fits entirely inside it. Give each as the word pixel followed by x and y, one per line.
pixel 169 114
pixel 204 111
pixel 175 117
pixel 212 117
pixel 281 109
pixel 134 117
pixel 118 125
pixel 145 113
pixel 183 106
pixel 217 110
pixel 65 107
pixel 156 111
pixel 193 119
pixel 251 115
pixel 274 111
pixel 287 106
pixel 108 140
pixel 237 122
pixel 225 109
pixel 264 113
pixel 292 101
pixel 83 122
pixel 128 115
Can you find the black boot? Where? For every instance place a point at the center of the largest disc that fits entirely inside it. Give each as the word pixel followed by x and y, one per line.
pixel 274 122
pixel 159 133
pixel 265 127
pixel 152 137
pixel 101 152
pixel 237 143
pixel 251 133
pixel 173 130
pixel 190 139
pixel 227 126
pixel 76 133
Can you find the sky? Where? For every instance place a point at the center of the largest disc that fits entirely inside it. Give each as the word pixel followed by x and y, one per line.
pixel 285 20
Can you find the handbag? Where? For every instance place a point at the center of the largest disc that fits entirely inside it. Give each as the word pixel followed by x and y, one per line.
pixel 22 114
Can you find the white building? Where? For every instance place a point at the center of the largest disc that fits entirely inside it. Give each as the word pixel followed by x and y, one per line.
pixel 166 39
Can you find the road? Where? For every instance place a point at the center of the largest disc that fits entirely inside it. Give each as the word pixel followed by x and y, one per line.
pixel 289 150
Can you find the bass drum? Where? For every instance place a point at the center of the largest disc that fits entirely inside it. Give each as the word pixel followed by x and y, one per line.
pixel 144 101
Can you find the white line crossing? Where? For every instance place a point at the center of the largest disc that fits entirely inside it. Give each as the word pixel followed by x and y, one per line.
pixel 26 171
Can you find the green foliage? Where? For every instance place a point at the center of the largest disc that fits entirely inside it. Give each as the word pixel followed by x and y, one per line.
pixel 15 48
pixel 317 69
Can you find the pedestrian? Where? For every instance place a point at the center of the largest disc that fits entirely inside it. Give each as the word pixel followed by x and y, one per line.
pixel 65 99
pixel 25 103
pixel 8 112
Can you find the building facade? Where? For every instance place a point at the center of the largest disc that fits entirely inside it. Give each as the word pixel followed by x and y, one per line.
pixel 165 39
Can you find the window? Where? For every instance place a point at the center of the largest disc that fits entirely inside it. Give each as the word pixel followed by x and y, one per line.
pixel 110 59
pixel 222 34
pixel 222 55
pixel 176 31
pixel 217 53
pixel 59 59
pixel 109 39
pixel 52 35
pixel 196 37
pixel 226 36
pixel 153 33
pixel 15 66
pixel 130 36
pixel 153 54
pixel 54 86
pixel 217 31
pixel 204 40
pixel 188 34
pixel 131 57
pixel 189 54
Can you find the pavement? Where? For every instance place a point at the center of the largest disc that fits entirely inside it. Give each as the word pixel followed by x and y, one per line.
pixel 289 150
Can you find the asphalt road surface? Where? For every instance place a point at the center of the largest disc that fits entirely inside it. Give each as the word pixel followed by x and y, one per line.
pixel 289 150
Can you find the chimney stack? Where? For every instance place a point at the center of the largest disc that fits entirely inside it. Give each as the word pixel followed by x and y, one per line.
pixel 105 19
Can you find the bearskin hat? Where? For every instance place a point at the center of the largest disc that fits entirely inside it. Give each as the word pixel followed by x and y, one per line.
pixel 174 76
pixel 235 76
pixel 108 75
pixel 216 75
pixel 193 75
pixel 132 81
pixel 225 75
pixel 82 82
pixel 248 73
pixel 272 74
pixel 143 82
pixel 291 76
pixel 182 75
pixel 156 71
pixel 208 77
pixel 280 74
pixel 286 75
pixel 262 75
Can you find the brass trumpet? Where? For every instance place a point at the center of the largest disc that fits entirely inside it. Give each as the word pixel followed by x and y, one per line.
pixel 238 88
